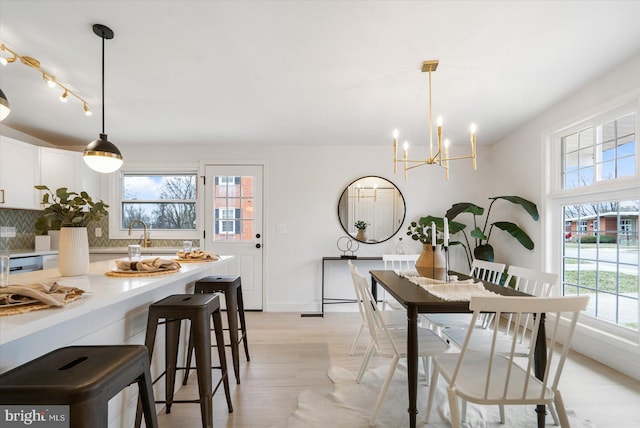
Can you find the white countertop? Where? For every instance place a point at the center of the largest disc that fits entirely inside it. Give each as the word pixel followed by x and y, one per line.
pixel 30 252
pixel 101 291
pixel 125 250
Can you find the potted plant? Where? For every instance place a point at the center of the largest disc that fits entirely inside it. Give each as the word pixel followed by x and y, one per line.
pixel 482 249
pixel 71 212
pixel 361 225
pixel 431 262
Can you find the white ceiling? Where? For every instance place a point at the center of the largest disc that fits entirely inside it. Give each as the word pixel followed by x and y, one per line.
pixel 304 72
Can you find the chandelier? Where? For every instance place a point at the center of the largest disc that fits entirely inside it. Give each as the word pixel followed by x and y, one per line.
pixel 49 78
pixel 441 156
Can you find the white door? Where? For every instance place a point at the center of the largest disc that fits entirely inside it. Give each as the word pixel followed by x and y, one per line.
pixel 233 217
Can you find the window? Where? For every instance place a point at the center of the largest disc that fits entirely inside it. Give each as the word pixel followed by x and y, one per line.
pixel 233 208
pixel 594 198
pixel 164 201
pixel 604 265
pixel 599 152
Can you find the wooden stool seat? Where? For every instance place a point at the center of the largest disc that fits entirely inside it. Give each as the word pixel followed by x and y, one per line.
pixel 199 309
pixel 85 378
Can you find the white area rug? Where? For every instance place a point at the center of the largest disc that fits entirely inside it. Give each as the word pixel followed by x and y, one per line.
pixel 351 404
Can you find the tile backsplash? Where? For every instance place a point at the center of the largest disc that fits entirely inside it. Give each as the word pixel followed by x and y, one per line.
pixel 24 221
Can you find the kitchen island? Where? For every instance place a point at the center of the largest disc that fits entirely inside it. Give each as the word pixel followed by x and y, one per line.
pixel 112 311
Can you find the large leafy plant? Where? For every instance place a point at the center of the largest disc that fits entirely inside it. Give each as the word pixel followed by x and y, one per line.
pixel 482 249
pixel 68 209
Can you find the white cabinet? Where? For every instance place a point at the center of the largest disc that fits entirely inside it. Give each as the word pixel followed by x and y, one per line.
pixel 65 168
pixel 18 174
pixel 50 261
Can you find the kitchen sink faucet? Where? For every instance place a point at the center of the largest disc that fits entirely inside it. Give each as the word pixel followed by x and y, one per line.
pixel 146 241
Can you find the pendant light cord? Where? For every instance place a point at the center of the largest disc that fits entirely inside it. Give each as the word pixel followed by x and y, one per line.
pixel 103 83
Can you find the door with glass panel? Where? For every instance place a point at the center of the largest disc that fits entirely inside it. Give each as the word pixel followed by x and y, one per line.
pixel 233 224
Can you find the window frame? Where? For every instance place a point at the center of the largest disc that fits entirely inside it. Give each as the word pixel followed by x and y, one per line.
pixel 618 189
pixel 115 200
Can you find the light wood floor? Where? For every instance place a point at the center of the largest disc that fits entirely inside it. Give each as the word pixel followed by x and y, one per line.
pixel 290 354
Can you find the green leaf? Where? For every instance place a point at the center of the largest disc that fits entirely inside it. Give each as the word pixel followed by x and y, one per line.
pixel 477 234
pixel 515 231
pixel 463 207
pixel 528 206
pixel 41 187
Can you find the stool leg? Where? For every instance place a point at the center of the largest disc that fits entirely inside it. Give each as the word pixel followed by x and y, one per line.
pixel 243 324
pixel 219 331
pixel 201 329
pixel 188 363
pixel 232 318
pixel 145 395
pixel 172 328
pixel 89 413
pixel 149 342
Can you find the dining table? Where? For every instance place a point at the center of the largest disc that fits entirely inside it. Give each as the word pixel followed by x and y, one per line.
pixel 416 301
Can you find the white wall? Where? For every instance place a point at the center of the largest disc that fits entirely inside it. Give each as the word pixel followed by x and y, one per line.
pixel 302 187
pixel 520 170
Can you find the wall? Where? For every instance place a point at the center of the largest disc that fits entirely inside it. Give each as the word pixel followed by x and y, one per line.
pixel 521 171
pixel 302 188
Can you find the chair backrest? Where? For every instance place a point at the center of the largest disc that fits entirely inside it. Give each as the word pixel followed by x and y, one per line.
pixel 401 263
pixel 532 282
pixel 561 315
pixel 487 271
pixel 377 327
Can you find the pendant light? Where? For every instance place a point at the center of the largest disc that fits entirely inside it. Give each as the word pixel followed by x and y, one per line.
pixel 101 155
pixel 5 109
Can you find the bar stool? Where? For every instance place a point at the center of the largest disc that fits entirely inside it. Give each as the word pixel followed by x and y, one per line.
pixel 199 309
pixel 231 287
pixel 85 378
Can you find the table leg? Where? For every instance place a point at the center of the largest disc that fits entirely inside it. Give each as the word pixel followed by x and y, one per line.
pixel 540 362
pixel 412 362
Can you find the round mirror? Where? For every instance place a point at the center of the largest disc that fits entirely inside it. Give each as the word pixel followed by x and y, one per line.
pixel 371 209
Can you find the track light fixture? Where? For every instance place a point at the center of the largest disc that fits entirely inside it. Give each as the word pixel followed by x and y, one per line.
pixel 49 78
pixel 101 155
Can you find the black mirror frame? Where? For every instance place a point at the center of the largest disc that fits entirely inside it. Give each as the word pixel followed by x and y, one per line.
pixel 404 209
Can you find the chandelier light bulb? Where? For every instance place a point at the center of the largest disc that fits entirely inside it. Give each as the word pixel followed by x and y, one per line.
pixel 446 143
pixel 396 133
pixel 87 112
pixel 439 121
pixel 3 61
pixel 405 146
pixel 64 97
pixel 472 128
pixel 52 82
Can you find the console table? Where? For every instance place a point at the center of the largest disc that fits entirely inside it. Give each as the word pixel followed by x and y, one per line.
pixel 334 301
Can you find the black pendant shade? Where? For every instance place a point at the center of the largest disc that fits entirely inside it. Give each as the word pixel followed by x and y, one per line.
pixel 101 155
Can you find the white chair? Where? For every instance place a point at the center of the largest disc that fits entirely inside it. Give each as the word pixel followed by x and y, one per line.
pixel 390 343
pixel 403 264
pixel 480 269
pixel 393 319
pixel 495 378
pixel 538 284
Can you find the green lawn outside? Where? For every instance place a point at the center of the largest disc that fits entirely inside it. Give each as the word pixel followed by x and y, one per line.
pixel 607 280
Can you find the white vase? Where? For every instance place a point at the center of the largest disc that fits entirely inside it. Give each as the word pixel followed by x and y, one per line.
pixel 73 251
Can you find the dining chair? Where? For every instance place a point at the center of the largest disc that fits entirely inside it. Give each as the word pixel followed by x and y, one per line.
pixel 402 264
pixel 493 377
pixel 480 269
pixel 390 343
pixel 393 319
pixel 535 283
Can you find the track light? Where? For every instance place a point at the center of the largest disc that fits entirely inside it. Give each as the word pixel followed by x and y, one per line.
pixel 5 108
pixel 87 112
pixel 49 78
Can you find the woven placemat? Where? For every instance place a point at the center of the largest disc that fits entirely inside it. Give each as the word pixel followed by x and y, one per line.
pixel 74 294
pixel 134 273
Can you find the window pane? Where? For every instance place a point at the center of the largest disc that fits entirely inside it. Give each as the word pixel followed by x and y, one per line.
pixel 586 176
pixel 234 200
pixel 600 258
pixel 165 216
pixel 626 166
pixel 161 201
pixel 587 138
